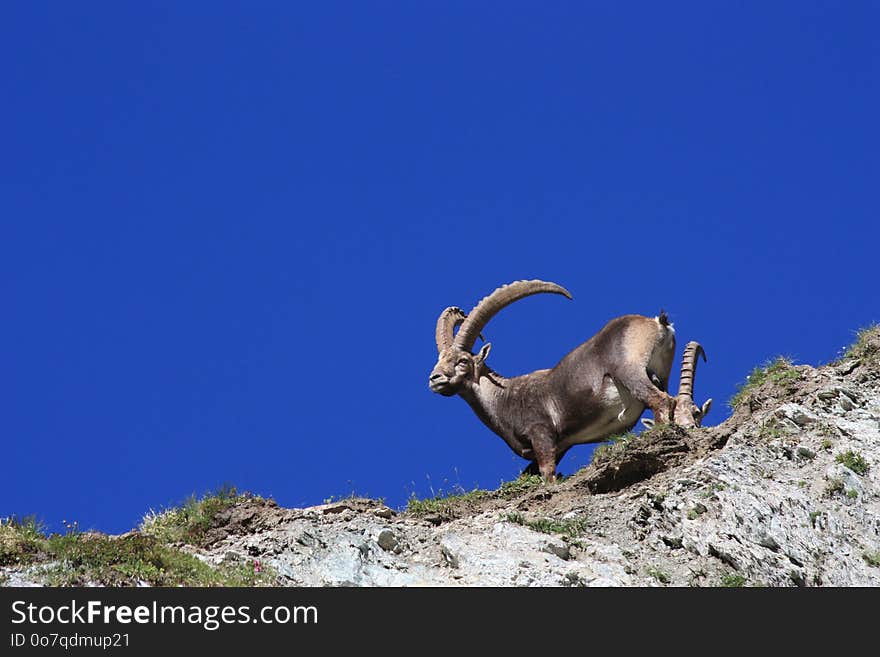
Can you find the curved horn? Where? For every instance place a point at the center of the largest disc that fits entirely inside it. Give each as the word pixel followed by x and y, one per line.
pixel 490 305
pixel 446 323
pixel 689 368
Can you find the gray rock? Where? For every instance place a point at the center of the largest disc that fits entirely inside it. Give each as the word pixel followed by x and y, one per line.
pixel 559 549
pixel 796 413
pixel 805 453
pixel 849 479
pixel 387 540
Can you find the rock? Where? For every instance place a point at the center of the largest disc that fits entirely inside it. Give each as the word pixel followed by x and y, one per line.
pixel 828 394
pixel 449 555
pixel 558 548
pixel 852 486
pixel 848 367
pixel 387 540
pixel 805 453
pixel 796 413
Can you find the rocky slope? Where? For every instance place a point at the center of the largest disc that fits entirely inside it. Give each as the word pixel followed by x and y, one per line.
pixel 786 492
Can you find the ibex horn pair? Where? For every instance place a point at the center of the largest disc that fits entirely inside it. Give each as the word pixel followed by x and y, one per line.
pixel 473 323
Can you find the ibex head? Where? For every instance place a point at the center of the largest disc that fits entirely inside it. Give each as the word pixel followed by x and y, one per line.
pixel 687 413
pixel 456 366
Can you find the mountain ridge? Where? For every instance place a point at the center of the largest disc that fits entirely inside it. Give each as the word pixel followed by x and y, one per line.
pixel 785 492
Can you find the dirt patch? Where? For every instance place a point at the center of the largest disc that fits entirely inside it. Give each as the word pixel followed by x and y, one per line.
pixel 246 517
pixel 646 455
pixel 616 468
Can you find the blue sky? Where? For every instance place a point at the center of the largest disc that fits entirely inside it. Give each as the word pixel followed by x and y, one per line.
pixel 228 228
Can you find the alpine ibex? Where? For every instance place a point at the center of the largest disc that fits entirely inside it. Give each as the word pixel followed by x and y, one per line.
pixel 598 390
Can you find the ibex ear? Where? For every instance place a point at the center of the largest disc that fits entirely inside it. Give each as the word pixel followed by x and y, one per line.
pixel 483 354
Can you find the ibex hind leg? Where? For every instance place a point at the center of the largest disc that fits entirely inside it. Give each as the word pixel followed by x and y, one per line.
pixel 532 468
pixel 635 378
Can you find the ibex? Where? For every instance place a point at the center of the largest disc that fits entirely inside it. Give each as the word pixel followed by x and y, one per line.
pixel 598 390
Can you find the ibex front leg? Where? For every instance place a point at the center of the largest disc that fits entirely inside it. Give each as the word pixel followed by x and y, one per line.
pixel 635 379
pixel 543 442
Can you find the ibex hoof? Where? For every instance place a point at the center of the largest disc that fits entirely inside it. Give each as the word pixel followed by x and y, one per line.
pixel 550 479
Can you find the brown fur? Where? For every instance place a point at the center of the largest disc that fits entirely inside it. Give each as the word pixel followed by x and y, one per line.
pixel 599 389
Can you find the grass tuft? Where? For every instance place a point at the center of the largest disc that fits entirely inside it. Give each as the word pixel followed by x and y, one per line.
pixel 732 580
pixel 445 503
pixel 834 487
pixel 572 528
pixel 613 446
pixel 779 371
pixel 191 522
pixel 520 485
pixel 854 461
pixel 87 558
pixel 134 558
pixel 866 345
pixel 659 575
pixel 21 540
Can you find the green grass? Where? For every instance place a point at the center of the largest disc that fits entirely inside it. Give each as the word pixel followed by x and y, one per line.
pixel 191 522
pixel 21 540
pixel 864 346
pixel 779 371
pixel 854 461
pixel 520 485
pixel 770 430
pixel 872 558
pixel 446 503
pixel 352 496
pixel 614 445
pixel 571 528
pixel 732 580
pixel 659 575
pixel 827 444
pixel 79 558
pixel 126 560
pixel 443 503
